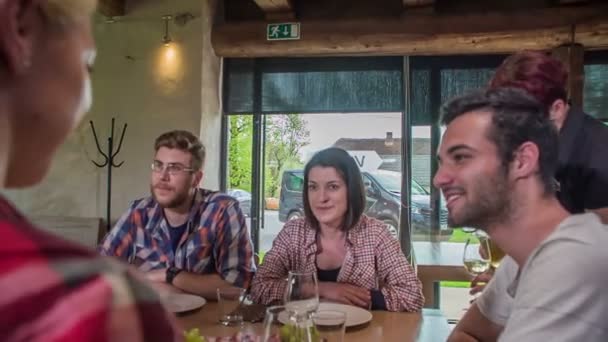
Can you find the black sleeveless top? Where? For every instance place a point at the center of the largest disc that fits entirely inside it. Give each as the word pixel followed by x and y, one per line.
pixel 328 275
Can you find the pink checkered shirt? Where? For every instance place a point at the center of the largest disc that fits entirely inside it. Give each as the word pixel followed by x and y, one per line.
pixel 374 261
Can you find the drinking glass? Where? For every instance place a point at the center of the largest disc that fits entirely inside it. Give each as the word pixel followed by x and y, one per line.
pixel 476 257
pixel 280 325
pixel 229 301
pixel 496 254
pixel 302 293
pixel 330 325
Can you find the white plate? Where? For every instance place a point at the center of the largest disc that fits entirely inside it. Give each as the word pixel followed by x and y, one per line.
pixel 181 302
pixel 354 315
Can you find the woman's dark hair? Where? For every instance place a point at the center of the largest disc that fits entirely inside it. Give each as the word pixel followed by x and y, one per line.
pixel 347 168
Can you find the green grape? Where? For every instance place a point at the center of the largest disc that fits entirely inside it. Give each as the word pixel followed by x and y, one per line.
pixel 194 335
pixel 285 333
pixel 290 333
pixel 314 334
pixel 297 333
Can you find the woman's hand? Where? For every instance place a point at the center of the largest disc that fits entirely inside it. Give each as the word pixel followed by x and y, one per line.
pixel 345 293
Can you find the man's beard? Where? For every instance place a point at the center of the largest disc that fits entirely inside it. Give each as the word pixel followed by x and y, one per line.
pixel 491 206
pixel 180 198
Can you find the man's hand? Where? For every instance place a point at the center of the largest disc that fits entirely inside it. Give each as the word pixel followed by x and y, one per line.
pixel 157 276
pixel 480 281
pixel 345 293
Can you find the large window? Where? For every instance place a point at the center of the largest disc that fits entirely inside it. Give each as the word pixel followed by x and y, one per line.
pixel 289 140
pixel 281 111
pixel 438 250
pixel 595 96
pixel 434 80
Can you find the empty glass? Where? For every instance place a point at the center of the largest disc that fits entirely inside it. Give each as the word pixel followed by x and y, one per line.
pixel 330 325
pixel 229 301
pixel 302 293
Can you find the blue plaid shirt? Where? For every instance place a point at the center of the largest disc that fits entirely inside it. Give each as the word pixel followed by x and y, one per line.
pixel 216 239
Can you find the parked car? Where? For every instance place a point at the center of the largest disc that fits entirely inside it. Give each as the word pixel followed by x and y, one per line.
pixel 244 199
pixel 383 197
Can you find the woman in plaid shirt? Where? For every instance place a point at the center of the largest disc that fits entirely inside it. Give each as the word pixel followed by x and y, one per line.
pixel 356 259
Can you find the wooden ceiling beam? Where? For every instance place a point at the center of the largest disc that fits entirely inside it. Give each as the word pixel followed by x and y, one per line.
pixel 417 3
pixel 277 9
pixel 112 8
pixel 417 7
pixel 275 5
pixel 571 2
pixel 423 35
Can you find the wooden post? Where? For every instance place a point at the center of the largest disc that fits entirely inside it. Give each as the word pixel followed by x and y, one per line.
pixel 572 55
pixel 211 109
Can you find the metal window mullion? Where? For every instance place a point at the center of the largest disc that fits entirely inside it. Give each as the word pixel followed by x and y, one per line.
pixel 256 148
pixel 435 100
pixel 405 236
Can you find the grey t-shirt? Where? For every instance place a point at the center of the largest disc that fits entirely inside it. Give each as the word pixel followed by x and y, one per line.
pixel 561 292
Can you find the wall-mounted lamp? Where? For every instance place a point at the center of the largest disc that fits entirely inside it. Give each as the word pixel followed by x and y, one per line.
pixel 166 38
pixel 170 69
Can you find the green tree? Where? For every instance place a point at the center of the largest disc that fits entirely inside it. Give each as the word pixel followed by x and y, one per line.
pixel 239 152
pixel 285 137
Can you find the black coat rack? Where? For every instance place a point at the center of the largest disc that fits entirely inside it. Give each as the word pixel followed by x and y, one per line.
pixel 109 163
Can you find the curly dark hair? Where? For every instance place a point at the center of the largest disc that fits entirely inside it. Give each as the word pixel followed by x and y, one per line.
pixel 516 118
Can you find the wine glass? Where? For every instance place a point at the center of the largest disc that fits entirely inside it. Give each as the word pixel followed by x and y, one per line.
pixel 302 293
pixel 496 254
pixel 477 256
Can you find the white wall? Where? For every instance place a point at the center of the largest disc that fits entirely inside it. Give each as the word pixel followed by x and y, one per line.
pixel 131 85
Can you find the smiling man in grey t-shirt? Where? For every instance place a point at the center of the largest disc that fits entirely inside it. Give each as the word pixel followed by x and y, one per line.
pixel 497 158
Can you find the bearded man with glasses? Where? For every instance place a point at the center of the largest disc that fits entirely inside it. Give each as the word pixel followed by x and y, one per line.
pixel 183 237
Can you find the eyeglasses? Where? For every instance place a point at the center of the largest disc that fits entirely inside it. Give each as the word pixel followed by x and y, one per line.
pixel 172 168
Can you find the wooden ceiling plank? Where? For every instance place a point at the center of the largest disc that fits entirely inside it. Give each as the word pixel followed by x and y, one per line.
pixel 112 8
pixel 275 5
pixel 418 3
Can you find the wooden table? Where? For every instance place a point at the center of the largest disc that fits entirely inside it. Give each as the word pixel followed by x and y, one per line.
pixel 438 261
pixel 385 326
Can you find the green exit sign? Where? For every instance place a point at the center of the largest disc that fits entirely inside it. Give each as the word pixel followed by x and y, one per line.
pixel 283 31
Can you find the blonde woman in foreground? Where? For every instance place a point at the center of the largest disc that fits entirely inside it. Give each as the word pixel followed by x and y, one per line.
pixel 51 289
